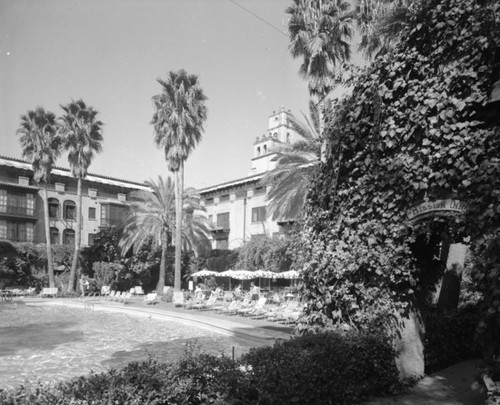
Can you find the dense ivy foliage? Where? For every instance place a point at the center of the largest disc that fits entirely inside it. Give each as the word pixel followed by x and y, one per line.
pixel 411 130
pixel 265 252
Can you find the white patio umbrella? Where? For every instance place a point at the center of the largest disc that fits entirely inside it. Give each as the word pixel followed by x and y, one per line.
pixel 204 273
pixel 243 274
pixel 289 275
pixel 265 274
pixel 227 273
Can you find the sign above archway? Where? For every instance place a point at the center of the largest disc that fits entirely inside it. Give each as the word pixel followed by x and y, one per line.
pixel 437 207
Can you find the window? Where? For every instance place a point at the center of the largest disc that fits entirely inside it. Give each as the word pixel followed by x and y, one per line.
pixel 288 137
pixel 223 220
pixel 17 203
pixel 30 232
pixel 209 201
pixel 113 215
pixel 258 151
pixel 69 210
pixel 3 200
pixel 54 236
pixel 30 204
pixel 16 231
pixel 69 237
pixel 92 238
pixel 221 244
pixel 259 191
pixel 53 208
pixel 3 229
pixel 210 219
pixel 265 148
pixel 258 214
pixel 92 213
pixel 224 198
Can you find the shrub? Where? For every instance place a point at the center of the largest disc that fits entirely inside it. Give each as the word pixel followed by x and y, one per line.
pixel 323 369
pixel 312 369
pixel 450 338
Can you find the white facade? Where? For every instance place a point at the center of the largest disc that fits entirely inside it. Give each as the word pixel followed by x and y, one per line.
pixel 238 209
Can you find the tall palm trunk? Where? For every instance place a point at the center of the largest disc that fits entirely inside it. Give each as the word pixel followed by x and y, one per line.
pixel 78 236
pixel 163 263
pixel 50 265
pixel 179 182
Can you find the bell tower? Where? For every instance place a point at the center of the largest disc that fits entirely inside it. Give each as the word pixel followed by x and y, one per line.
pixel 280 131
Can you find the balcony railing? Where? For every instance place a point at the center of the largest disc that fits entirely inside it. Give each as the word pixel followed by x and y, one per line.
pixel 220 227
pixel 17 211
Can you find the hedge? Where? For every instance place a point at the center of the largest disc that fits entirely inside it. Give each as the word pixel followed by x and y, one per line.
pixel 313 369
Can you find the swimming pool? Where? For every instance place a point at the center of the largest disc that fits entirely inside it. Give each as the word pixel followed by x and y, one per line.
pixel 53 343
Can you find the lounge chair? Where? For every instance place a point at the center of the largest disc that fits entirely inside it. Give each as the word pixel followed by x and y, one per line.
pixel 46 292
pixel 233 306
pixel 206 304
pixel 110 296
pixel 178 299
pixel 258 306
pixel 151 298
pixel 117 296
pixel 138 290
pixel 30 291
pixel 283 312
pixel 259 310
pixel 125 297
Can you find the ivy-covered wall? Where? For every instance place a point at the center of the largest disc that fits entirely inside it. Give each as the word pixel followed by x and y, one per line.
pixel 411 130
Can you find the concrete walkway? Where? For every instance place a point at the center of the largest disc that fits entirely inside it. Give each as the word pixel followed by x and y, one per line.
pixel 455 385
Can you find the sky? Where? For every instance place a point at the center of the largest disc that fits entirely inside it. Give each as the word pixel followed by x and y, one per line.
pixel 111 52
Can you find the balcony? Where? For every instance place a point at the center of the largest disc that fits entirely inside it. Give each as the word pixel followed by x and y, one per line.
pixel 17 212
pixel 221 227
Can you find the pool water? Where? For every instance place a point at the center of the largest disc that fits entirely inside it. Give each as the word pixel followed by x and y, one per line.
pixel 53 343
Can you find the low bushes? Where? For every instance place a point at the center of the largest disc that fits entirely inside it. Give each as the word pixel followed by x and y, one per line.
pixel 313 369
pixel 323 369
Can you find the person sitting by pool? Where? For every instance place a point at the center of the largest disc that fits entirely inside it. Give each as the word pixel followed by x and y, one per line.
pixel 198 293
pixel 254 291
pixel 237 292
pixel 84 284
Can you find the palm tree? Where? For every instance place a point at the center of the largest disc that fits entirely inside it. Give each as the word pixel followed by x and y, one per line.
pixel 319 33
pixel 380 23
pixel 153 217
pixel 41 146
pixel 82 133
pixel 179 114
pixel 296 165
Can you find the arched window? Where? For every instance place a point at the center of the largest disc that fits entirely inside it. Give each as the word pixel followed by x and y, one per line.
pixel 265 148
pixel 54 236
pixel 275 134
pixel 258 151
pixel 54 208
pixel 69 209
pixel 288 137
pixel 69 237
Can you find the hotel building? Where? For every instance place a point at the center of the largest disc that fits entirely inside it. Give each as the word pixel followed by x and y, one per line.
pixel 21 205
pixel 238 208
